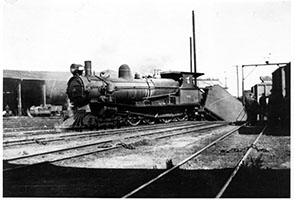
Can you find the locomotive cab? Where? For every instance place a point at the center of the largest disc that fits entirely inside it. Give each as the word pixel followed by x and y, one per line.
pixel 188 92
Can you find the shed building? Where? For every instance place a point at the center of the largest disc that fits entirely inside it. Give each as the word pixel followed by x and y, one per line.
pixel 23 89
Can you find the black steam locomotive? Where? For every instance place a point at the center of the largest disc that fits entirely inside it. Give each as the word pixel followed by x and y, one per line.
pixel 101 100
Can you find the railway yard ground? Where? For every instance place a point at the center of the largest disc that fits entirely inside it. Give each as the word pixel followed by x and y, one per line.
pixel 128 157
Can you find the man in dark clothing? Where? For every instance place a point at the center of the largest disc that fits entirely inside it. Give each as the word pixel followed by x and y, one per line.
pixel 262 106
pixel 7 111
pixel 254 107
pixel 251 107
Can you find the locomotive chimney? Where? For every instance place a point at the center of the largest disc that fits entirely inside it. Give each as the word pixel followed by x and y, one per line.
pixel 88 68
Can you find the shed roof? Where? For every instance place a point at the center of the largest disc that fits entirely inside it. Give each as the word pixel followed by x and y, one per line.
pixel 36 75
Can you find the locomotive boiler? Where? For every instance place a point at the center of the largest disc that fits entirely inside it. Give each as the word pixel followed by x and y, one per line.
pixel 101 100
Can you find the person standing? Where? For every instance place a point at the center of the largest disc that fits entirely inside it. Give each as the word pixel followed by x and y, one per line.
pixel 254 108
pixel 251 107
pixel 7 110
pixel 262 106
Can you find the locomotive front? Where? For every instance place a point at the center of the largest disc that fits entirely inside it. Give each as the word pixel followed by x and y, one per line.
pixel 83 86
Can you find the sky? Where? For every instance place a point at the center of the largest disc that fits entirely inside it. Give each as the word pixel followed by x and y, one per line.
pixel 50 35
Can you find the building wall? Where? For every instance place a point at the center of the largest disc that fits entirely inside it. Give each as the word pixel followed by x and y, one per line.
pixel 32 93
pixel 10 94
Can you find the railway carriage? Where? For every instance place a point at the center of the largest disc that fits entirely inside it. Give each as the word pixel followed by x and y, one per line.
pixel 279 100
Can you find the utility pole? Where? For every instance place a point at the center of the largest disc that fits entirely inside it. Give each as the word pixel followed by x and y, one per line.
pixel 191 63
pixel 194 46
pixel 226 86
pixel 243 93
pixel 237 70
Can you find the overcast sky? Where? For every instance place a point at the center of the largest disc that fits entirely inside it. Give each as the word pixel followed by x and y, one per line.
pixel 147 34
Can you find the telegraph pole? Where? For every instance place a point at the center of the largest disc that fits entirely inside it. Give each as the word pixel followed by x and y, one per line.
pixel 191 63
pixel 237 70
pixel 194 46
pixel 243 93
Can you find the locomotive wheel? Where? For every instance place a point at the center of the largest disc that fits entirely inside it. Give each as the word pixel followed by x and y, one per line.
pixel 166 120
pixel 149 121
pixel 134 121
pixel 90 121
pixel 182 118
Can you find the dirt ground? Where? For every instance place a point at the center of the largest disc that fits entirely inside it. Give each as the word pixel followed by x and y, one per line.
pixel 266 172
pixel 272 152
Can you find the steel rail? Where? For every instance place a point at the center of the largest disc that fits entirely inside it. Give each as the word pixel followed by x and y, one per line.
pixel 100 142
pixel 97 151
pixel 116 147
pixel 181 163
pixel 223 189
pixel 81 135
pixel 30 131
pixel 61 159
pixel 190 131
pixel 9 143
pixel 33 130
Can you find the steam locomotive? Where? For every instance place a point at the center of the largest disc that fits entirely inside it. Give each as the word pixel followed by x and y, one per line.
pixel 101 100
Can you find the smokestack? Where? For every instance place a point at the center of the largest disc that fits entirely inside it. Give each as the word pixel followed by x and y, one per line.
pixel 88 68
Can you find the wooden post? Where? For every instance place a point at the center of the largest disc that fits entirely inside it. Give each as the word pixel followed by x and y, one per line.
pixel 19 105
pixel 44 93
pixel 237 81
pixel 243 79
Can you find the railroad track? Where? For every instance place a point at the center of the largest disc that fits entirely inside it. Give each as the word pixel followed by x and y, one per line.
pixel 24 129
pixel 47 136
pixel 12 124
pixel 226 184
pixel 91 148
pixel 35 131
